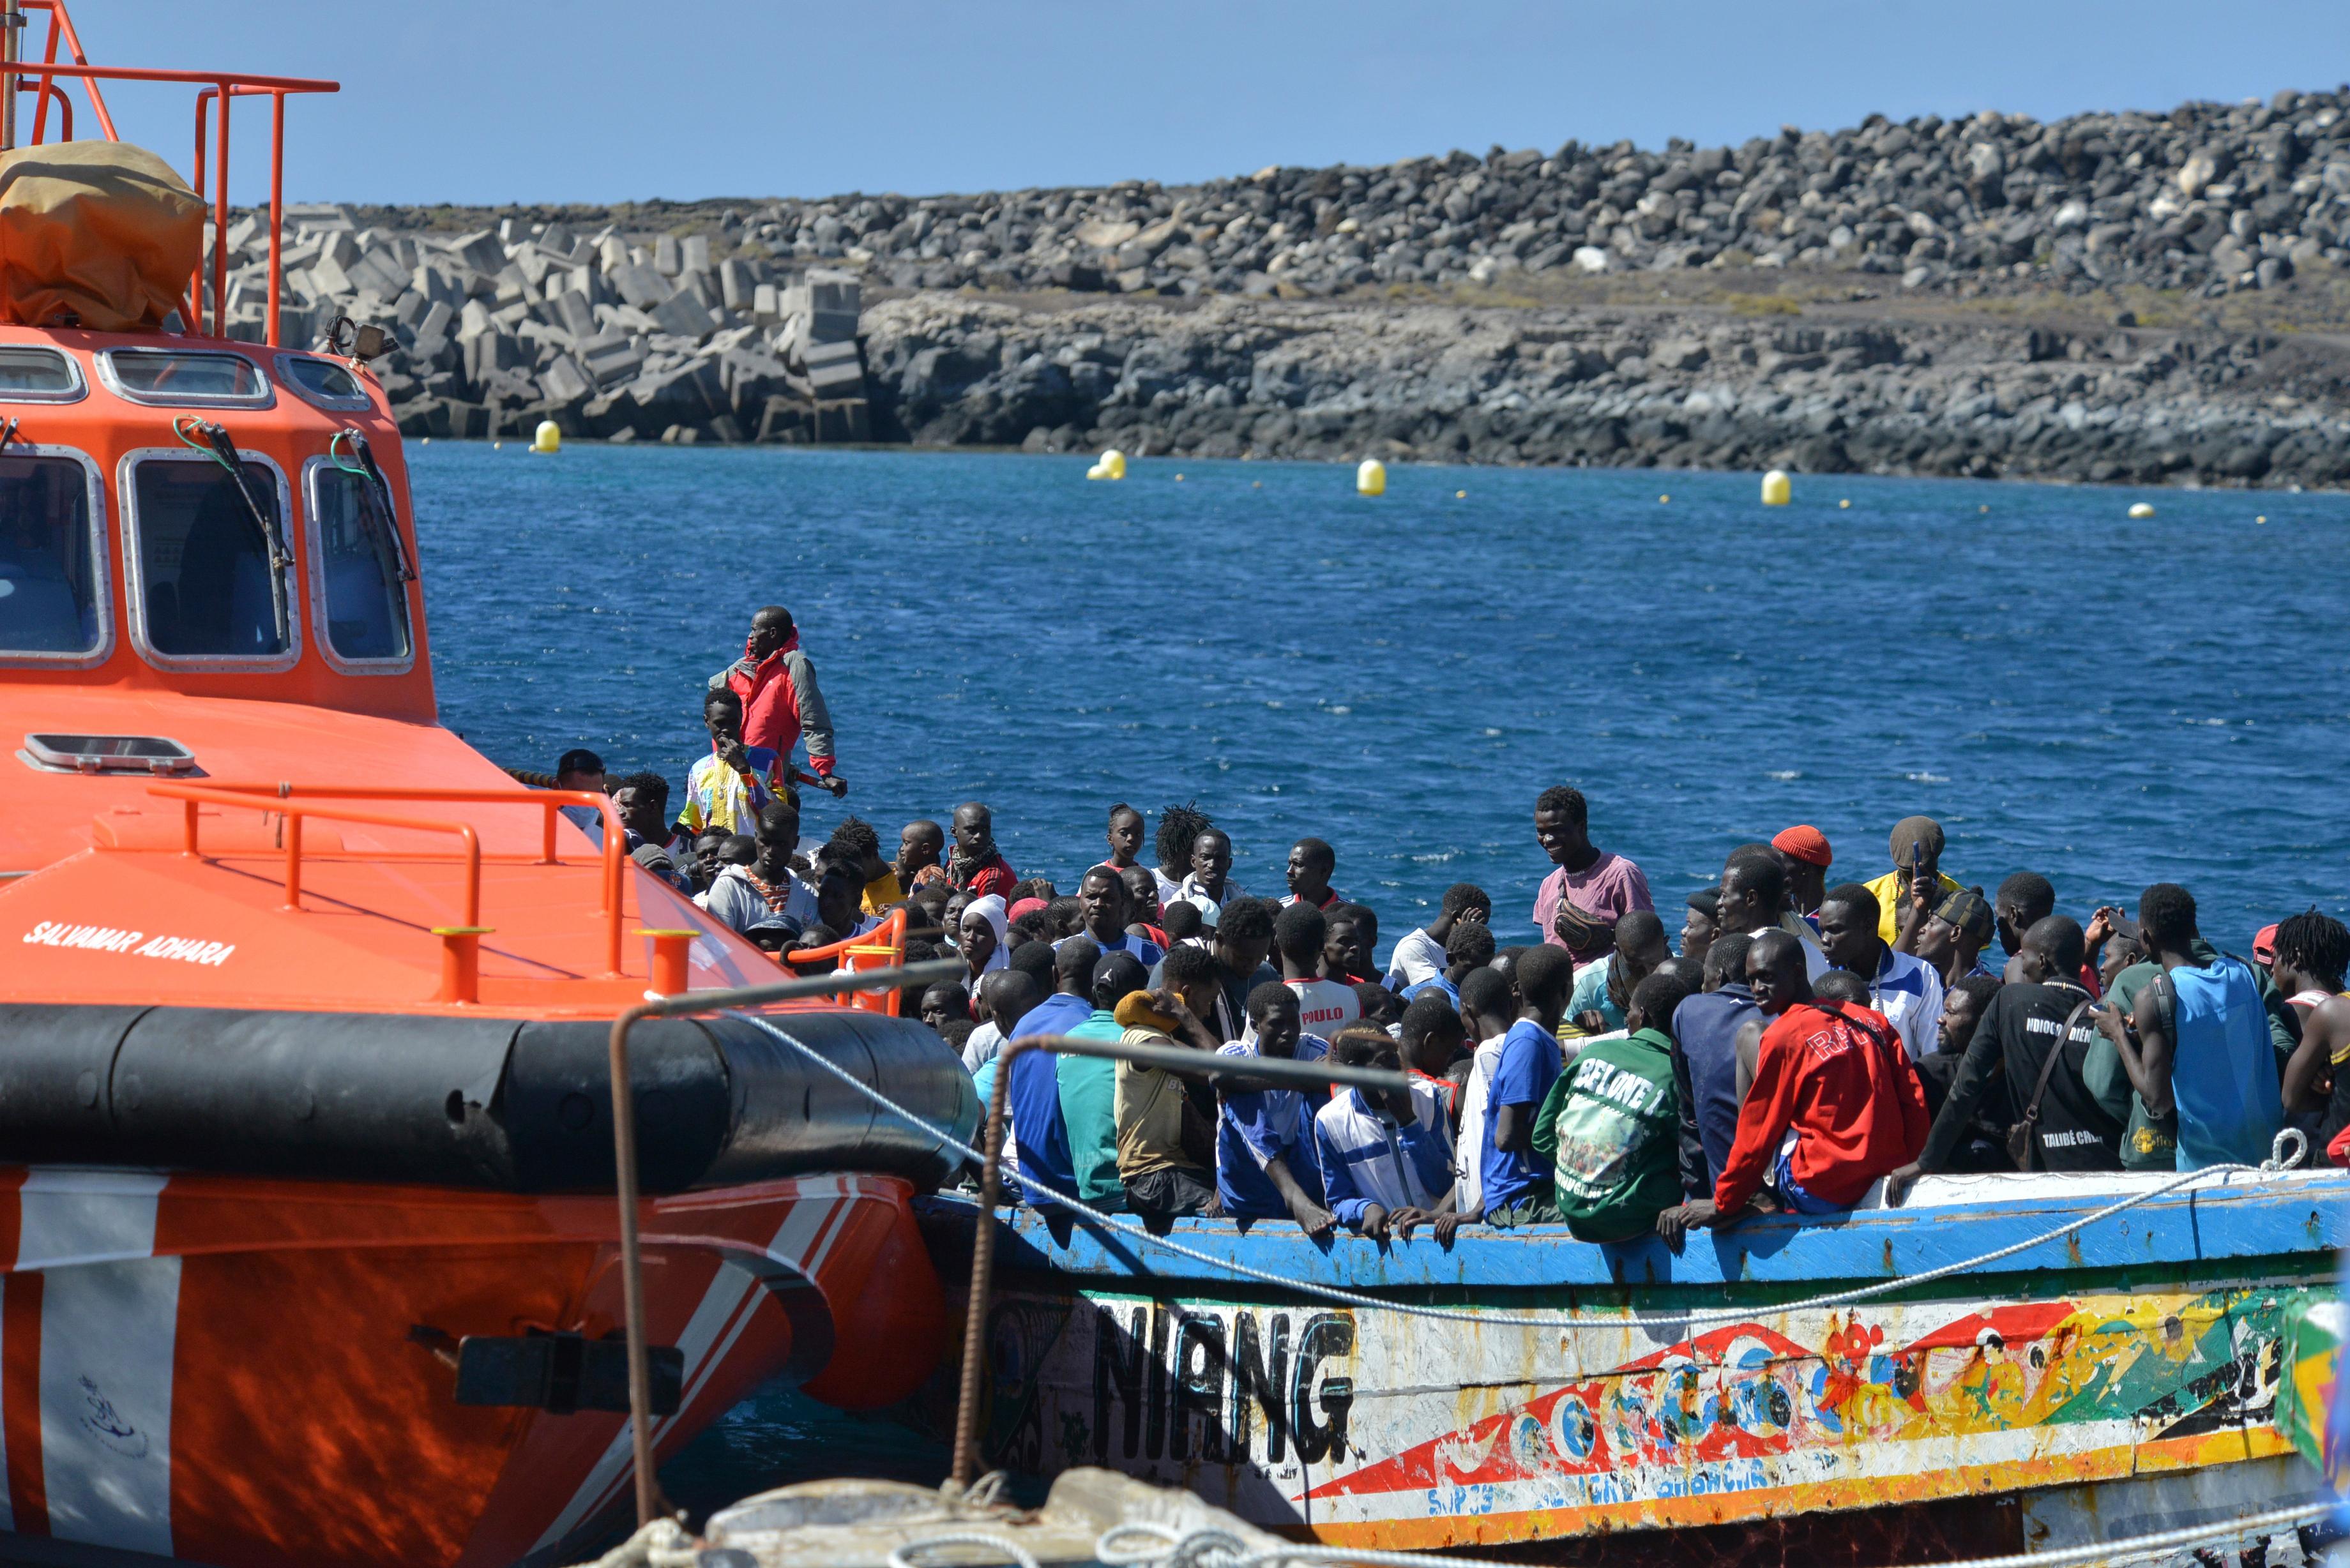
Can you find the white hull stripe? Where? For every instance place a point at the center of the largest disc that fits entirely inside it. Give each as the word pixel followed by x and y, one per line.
pixel 803 1241
pixel 109 1325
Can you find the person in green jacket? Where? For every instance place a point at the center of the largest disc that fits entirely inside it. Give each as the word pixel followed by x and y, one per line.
pixel 1088 1085
pixel 1611 1124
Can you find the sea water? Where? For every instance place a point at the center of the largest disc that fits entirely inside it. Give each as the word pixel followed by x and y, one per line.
pixel 2108 701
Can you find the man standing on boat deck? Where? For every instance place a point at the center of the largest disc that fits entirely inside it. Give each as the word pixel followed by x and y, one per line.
pixel 1916 844
pixel 1311 862
pixel 780 699
pixel 1805 853
pixel 1579 903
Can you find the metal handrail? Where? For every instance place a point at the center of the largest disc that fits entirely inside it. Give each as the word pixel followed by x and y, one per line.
pixel 283 798
pixel 886 941
pixel 1203 1064
pixel 40 77
pixel 624 1157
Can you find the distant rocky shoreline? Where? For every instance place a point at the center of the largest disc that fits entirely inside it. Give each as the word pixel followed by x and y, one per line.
pixel 1924 297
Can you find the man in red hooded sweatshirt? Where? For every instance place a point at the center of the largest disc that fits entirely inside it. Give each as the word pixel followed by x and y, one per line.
pixel 780 699
pixel 1833 1075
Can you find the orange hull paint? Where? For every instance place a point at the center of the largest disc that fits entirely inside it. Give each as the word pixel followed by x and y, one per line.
pixel 302 1423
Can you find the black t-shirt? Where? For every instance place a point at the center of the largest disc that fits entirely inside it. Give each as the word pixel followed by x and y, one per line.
pixel 2010 1045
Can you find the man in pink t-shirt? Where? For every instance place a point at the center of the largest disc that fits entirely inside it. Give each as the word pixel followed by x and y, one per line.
pixel 1578 904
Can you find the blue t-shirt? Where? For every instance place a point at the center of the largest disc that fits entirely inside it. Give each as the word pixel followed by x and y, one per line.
pixel 1522 1077
pixel 1034 1097
pixel 1253 1128
pixel 1433 982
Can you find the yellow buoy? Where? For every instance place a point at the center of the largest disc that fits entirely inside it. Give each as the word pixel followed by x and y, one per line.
pixel 1664 499
pixel 1777 488
pixel 497 446
pixel 2143 509
pixel 426 442
pixel 1844 505
pixel 1982 508
pixel 2262 518
pixel 1112 464
pixel 1370 477
pixel 1460 495
pixel 549 437
pixel 1179 479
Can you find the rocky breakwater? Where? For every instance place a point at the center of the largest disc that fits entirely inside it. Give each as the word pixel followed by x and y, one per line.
pixel 1830 390
pixel 1941 296
pixel 2207 197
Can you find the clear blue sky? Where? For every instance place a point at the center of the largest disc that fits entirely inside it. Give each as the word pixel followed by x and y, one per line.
pixel 593 100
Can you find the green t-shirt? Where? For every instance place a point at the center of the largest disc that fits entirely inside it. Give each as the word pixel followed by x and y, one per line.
pixel 1611 1126
pixel 1089 1110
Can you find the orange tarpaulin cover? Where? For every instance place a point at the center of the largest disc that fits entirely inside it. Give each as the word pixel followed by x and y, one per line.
pixel 101 234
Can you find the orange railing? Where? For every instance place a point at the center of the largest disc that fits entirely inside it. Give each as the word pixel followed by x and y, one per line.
pixel 883 947
pixel 38 77
pixel 460 943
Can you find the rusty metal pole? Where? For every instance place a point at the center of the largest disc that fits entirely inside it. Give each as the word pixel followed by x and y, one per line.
pixel 983 1266
pixel 624 1160
pixel 632 1263
pixel 12 24
pixel 990 1178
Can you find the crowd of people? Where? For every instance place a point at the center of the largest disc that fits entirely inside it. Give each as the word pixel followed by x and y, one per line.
pixel 1801 1038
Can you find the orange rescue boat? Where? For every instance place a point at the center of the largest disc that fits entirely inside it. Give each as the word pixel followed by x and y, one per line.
pixel 308 1245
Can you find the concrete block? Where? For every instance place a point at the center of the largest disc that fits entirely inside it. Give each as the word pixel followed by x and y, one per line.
pixel 832 326
pixel 668 257
pixel 479 250
pixel 640 287
pixel 578 318
pixel 611 255
pixel 829 289
pixel 683 315
pixel 762 302
pixel 245 232
pixel 410 309
pixel 735 289
pixel 828 355
pixel 380 269
pixel 319 215
pixel 436 319
pixel 565 381
pixel 556 240
pixel 473 320
pixel 327 277
pixel 845 381
pixel 694 252
pixel 610 358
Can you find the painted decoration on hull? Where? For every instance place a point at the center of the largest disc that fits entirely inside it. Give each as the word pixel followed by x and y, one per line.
pixel 1368 1429
pixel 284 1332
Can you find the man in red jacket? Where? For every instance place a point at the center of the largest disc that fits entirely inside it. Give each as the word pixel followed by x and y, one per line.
pixel 1832 1073
pixel 780 699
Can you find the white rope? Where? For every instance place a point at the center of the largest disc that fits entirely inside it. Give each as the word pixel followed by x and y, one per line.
pixel 1220 1549
pixel 1004 1549
pixel 1541 1319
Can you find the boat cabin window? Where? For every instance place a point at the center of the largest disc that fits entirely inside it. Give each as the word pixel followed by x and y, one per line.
pixel 182 377
pixel 321 381
pixel 206 587
pixel 52 591
pixel 357 565
pixel 38 376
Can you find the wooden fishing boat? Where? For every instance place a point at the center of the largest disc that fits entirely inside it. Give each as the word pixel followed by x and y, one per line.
pixel 308 1240
pixel 2118 1380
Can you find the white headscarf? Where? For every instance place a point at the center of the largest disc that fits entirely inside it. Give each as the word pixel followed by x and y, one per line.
pixel 998 917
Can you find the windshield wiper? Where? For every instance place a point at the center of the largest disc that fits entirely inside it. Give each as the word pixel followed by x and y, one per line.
pixel 381 518
pixel 217 445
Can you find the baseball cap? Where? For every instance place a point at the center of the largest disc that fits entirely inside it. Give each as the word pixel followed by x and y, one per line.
pixel 2264 944
pixel 578 760
pixel 1806 843
pixel 1968 911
